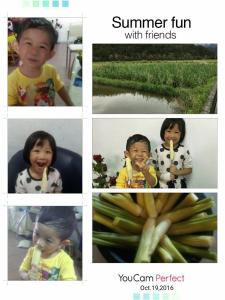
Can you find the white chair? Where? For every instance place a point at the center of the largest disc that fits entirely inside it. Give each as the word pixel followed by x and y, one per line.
pixel 75 31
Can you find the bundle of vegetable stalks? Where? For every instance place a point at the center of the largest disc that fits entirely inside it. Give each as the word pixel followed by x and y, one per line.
pixel 163 227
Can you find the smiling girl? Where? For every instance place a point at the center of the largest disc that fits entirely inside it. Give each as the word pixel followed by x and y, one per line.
pixel 171 159
pixel 40 153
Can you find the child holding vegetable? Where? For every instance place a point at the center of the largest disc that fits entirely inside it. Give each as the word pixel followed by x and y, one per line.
pixel 137 173
pixel 171 159
pixel 40 177
pixel 47 260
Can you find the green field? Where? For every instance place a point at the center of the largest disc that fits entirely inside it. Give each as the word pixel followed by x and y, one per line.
pixel 190 81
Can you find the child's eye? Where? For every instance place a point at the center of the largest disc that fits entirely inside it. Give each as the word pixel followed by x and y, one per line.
pixel 36 150
pixel 43 47
pixel 49 241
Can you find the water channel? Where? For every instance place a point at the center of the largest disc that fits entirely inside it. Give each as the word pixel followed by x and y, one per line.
pixel 113 100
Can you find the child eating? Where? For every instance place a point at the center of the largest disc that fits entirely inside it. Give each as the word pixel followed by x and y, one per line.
pixel 47 260
pixel 40 177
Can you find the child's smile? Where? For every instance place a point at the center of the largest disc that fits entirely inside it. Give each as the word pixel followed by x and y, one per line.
pixel 173 134
pixel 138 153
pixel 40 157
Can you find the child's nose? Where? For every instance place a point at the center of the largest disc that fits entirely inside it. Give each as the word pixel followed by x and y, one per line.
pixel 40 243
pixel 34 50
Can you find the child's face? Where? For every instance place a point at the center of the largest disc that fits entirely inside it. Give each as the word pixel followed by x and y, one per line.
pixel 138 153
pixel 34 48
pixel 46 239
pixel 172 134
pixel 41 157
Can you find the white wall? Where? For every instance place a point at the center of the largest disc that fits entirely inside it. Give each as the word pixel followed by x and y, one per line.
pixel 67 133
pixel 65 22
pixel 110 136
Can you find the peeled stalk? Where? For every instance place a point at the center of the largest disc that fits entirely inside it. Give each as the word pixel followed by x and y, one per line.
pixel 142 255
pixel 167 244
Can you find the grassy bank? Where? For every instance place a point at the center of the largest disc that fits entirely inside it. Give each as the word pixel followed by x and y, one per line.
pixel 191 81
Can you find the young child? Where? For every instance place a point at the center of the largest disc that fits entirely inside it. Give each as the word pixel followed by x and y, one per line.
pixel 34 82
pixel 140 174
pixel 171 159
pixel 47 260
pixel 40 177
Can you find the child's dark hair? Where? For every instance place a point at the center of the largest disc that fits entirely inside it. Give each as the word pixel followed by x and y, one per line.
pixel 59 218
pixel 39 23
pixel 137 138
pixel 38 138
pixel 169 123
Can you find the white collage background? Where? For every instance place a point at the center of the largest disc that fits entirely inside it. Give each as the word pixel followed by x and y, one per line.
pixel 100 281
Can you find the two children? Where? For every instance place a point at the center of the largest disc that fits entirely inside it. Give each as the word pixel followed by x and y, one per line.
pixel 40 177
pixel 33 82
pixel 172 161
pixel 47 260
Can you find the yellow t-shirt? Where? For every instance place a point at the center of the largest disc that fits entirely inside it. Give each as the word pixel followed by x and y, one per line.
pixel 58 267
pixel 40 91
pixel 138 180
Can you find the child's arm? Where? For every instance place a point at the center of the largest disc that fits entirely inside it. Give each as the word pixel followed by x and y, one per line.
pixel 185 171
pixel 65 96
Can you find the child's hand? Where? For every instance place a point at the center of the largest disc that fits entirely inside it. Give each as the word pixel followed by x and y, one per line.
pixel 34 273
pixel 141 165
pixel 173 170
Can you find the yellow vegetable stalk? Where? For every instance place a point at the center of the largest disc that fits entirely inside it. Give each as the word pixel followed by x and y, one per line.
pixel 164 255
pixel 149 202
pixel 171 201
pixel 44 182
pixel 187 212
pixel 129 170
pixel 106 222
pixel 171 151
pixel 201 241
pixel 36 258
pixel 161 201
pixel 167 244
pixel 189 200
pixel 123 202
pixel 35 262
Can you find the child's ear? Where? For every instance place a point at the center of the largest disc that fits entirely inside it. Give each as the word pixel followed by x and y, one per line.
pixel 51 54
pixel 126 154
pixel 65 243
pixel 15 46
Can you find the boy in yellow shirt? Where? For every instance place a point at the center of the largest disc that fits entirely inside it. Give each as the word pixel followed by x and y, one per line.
pixel 138 151
pixel 34 83
pixel 47 260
